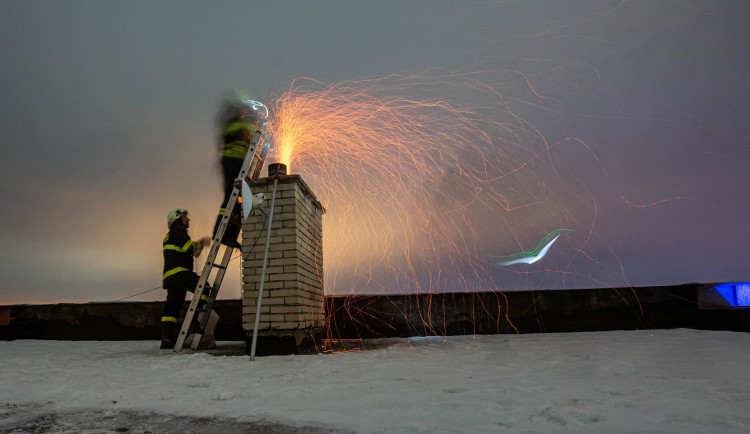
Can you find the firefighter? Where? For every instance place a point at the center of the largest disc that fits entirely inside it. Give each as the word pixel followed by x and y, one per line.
pixel 238 121
pixel 179 277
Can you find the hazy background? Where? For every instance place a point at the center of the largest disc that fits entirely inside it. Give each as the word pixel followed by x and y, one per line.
pixel 107 119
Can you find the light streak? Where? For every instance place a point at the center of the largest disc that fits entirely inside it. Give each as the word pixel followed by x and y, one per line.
pixel 257 105
pixel 535 255
pixel 530 259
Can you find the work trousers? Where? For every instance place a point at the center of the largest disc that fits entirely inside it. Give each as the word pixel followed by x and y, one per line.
pixel 179 286
pixel 230 168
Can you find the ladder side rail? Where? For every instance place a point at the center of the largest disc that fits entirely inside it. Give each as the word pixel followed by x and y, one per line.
pixel 253 152
pixel 255 168
pixel 250 158
pixel 222 267
pixel 193 306
pixel 248 166
pixel 263 154
pixel 213 252
pixel 213 293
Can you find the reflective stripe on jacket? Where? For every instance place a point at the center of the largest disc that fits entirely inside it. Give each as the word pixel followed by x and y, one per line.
pixel 236 137
pixel 178 252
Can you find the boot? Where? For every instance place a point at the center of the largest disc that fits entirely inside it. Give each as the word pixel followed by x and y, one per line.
pixel 230 235
pixel 195 326
pixel 168 335
pixel 234 225
pixel 207 340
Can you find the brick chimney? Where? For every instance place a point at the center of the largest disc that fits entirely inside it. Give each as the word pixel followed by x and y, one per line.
pixel 293 306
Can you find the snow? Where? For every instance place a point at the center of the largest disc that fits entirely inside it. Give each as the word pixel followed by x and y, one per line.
pixel 657 381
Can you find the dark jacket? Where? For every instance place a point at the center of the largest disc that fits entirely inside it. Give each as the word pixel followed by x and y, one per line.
pixel 178 253
pixel 236 137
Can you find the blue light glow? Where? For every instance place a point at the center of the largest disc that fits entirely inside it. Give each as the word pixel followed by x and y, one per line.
pixel 736 294
pixel 742 292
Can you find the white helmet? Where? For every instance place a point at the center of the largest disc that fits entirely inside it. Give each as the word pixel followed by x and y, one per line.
pixel 175 215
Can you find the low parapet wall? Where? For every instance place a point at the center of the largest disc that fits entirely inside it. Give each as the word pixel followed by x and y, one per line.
pixel 104 321
pixel 375 316
pixel 546 311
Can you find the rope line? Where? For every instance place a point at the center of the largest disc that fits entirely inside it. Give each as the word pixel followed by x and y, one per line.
pixel 260 232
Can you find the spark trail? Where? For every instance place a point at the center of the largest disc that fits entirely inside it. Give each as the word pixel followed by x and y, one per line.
pixel 422 177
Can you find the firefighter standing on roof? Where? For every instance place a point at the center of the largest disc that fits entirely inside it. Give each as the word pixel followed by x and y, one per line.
pixel 239 120
pixel 178 277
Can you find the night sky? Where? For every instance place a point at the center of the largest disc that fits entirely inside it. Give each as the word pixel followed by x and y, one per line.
pixel 108 116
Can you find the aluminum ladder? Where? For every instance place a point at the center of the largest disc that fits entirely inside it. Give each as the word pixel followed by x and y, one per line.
pixel 251 169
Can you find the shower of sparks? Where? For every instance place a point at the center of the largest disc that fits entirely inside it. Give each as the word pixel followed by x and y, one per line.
pixel 535 255
pixel 422 177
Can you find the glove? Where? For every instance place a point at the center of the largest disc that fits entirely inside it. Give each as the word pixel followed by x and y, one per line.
pixel 198 246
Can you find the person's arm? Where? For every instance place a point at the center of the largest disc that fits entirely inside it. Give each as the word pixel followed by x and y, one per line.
pixel 199 245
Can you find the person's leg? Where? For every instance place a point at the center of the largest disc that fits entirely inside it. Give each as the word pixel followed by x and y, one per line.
pixel 172 307
pixel 188 282
pixel 201 315
pixel 230 169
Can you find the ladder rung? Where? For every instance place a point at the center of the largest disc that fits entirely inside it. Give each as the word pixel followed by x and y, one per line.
pixel 215 265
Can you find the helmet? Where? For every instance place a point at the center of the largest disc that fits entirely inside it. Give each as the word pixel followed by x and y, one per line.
pixel 175 215
pixel 239 101
pixel 237 98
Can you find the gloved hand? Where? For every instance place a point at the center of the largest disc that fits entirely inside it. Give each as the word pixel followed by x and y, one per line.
pixel 199 245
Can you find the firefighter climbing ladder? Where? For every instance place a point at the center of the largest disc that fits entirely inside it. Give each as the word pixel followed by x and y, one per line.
pixel 251 168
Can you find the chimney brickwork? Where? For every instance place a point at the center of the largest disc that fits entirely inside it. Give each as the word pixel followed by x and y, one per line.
pixel 293 302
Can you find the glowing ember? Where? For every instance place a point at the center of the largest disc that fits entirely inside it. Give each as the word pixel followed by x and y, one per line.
pixel 422 190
